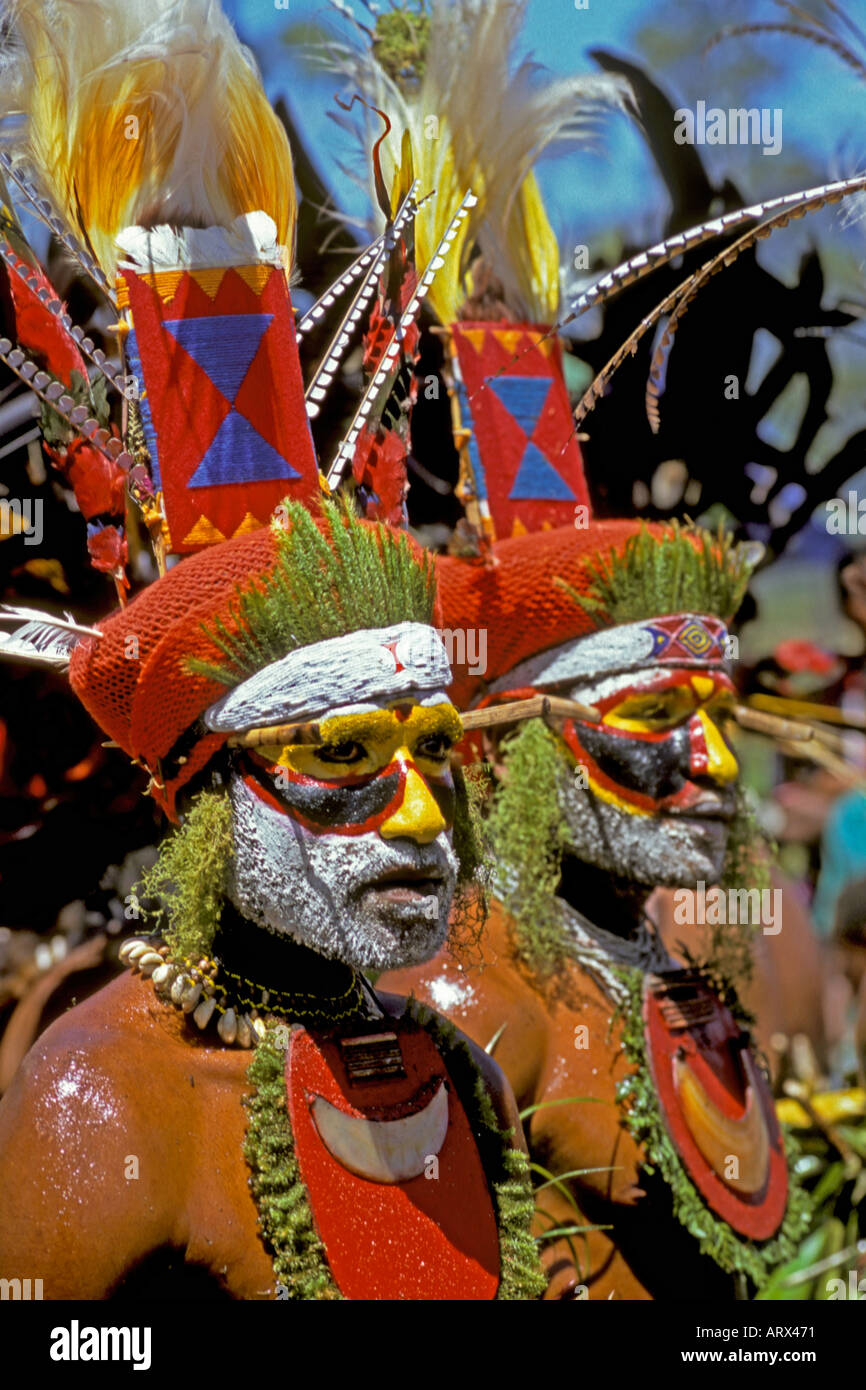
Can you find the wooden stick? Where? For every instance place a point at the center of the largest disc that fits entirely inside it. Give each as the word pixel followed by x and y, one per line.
pixel 817 753
pixel 806 709
pixel 276 733
pixel 533 708
pixel 772 725
pixel 832 738
pixel 537 706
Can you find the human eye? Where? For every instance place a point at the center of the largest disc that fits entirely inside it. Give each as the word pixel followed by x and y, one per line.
pixel 435 747
pixel 351 751
pixel 651 712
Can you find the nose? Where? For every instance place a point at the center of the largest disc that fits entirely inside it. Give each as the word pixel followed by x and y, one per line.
pixel 417 817
pixel 710 755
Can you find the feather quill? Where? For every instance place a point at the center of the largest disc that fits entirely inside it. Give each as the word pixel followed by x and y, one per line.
pixel 41 638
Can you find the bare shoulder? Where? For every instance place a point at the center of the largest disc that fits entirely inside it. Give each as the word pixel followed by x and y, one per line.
pixel 82 1163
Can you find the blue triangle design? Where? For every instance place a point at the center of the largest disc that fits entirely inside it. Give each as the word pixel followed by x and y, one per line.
pixel 223 345
pixel 522 396
pixel 239 454
pixel 538 481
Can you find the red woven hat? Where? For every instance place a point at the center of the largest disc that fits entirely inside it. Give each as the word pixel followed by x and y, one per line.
pixel 135 679
pixel 516 601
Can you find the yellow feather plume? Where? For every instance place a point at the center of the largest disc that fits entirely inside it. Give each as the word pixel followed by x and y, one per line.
pixel 477 120
pixel 141 112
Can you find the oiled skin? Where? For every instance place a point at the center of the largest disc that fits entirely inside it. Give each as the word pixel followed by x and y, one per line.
pixel 120 1077
pixel 648 1255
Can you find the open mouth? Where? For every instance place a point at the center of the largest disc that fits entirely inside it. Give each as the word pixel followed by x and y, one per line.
pixel 695 803
pixel 406 885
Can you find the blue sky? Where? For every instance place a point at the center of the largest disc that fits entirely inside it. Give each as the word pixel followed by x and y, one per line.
pixel 618 188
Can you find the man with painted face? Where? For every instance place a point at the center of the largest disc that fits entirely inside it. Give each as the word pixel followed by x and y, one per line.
pixel 243 1108
pixel 648 1096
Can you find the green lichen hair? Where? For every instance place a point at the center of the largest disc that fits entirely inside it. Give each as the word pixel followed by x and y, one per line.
pixel 685 570
pixel 190 875
pixel 350 576
pixel 529 837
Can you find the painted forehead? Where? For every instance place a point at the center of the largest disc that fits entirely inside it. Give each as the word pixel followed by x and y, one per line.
pixel 702 682
pixel 370 669
pixel 680 640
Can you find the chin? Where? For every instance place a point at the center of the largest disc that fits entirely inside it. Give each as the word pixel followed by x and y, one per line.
pixel 384 946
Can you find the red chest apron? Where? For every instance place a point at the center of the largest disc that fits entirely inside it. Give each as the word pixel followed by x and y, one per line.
pixel 391 1167
pixel 716 1103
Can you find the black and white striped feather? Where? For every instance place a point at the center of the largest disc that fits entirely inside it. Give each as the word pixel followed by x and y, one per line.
pixel 41 638
pixel 336 350
pixel 56 394
pixel 382 380
pixel 387 240
pixel 54 306
pixel 45 212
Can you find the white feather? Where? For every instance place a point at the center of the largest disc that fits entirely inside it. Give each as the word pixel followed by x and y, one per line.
pixel 41 637
pixel 495 118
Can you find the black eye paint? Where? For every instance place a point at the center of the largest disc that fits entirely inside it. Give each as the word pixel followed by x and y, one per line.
pixel 653 767
pixel 327 805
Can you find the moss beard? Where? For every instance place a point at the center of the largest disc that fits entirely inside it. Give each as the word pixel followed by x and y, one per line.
pixel 540 814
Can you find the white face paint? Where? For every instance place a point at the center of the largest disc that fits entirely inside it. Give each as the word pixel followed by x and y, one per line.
pixel 666 848
pixel 374 903
pixel 661 850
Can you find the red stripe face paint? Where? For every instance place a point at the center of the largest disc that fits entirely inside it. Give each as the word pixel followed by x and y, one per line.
pixel 345 805
pixel 384 770
pixel 653 742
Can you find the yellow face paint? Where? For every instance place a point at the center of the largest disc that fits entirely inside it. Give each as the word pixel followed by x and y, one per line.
pixel 362 744
pixel 417 817
pixel 703 686
pixel 651 712
pixel 721 762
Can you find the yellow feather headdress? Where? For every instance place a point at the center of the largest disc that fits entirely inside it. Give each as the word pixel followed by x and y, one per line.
pixel 477 119
pixel 141 112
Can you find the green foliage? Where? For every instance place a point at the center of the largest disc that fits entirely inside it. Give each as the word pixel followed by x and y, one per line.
pixel 323 585
pixel 528 834
pixel 747 865
pixel 400 41
pixel 93 394
pixel 286 1220
pixel 474 857
pixel 831 1164
pixel 688 569
pixel 190 874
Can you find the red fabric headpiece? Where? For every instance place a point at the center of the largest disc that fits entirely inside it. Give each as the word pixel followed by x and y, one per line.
pixel 515 600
